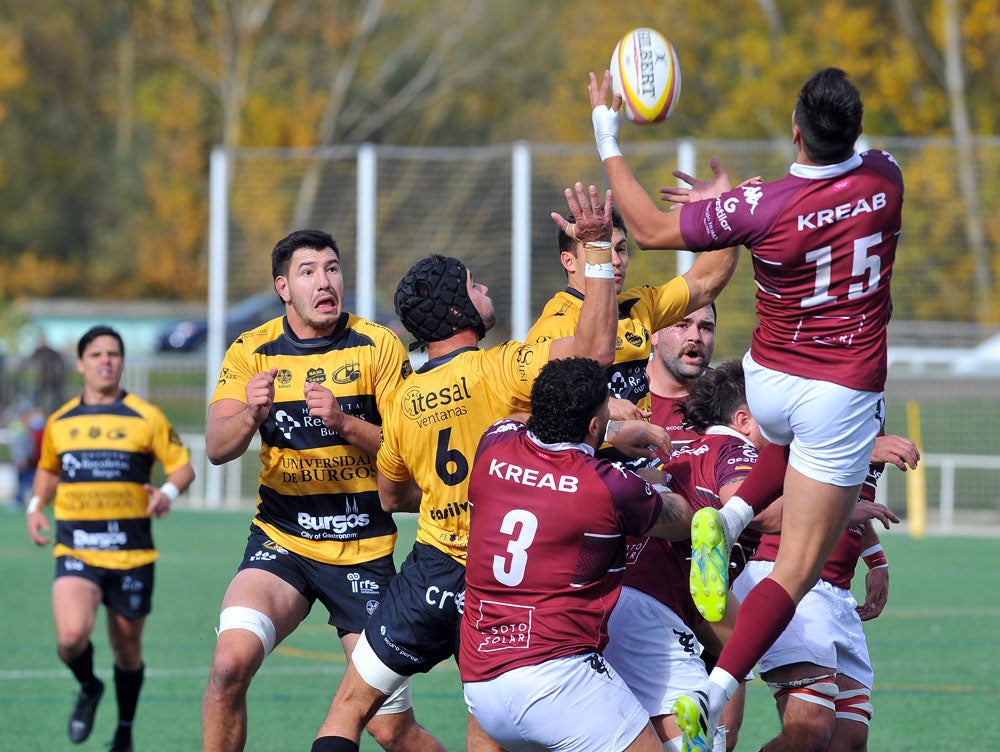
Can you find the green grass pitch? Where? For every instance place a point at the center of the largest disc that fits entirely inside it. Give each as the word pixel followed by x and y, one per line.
pixel 936 651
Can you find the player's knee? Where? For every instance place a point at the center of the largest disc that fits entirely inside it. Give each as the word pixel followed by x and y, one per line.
pixel 246 636
pixel 250 620
pixel 72 641
pixel 392 731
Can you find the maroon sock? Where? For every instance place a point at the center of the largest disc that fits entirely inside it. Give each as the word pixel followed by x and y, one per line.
pixel 762 617
pixel 766 480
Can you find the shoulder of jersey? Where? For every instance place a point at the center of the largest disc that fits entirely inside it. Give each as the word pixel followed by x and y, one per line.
pixel 267 330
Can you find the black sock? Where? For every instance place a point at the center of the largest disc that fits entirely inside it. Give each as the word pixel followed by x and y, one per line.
pixel 127 686
pixel 83 669
pixel 333 744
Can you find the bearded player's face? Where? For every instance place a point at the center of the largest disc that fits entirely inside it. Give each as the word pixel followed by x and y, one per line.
pixel 313 291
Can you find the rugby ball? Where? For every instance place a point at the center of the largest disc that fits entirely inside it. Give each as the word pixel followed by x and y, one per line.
pixel 645 71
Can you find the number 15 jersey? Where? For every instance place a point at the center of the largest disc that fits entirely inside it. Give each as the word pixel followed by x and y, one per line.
pixel 823 240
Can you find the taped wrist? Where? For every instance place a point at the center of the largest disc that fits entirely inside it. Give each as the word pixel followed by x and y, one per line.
pixel 606 131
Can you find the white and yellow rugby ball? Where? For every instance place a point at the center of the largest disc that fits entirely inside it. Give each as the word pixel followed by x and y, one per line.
pixel 645 71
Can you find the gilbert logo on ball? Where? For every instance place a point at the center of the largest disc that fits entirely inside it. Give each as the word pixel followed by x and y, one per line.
pixel 645 71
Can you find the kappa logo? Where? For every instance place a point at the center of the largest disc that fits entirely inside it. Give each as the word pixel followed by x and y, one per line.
pixel 347 373
pixel 285 423
pixel 283 377
pixel 316 375
pixel 686 641
pixel 752 194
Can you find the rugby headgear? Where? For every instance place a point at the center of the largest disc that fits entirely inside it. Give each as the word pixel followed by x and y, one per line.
pixel 432 300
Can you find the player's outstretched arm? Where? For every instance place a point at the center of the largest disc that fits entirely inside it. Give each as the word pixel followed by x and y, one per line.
pixel 647 225
pixel 597 327
pixel 708 275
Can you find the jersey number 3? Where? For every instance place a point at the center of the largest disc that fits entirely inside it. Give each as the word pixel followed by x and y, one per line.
pixel 509 569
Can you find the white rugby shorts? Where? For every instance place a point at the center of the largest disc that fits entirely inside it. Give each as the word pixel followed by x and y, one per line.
pixel 826 630
pixel 656 654
pixel 573 704
pixel 830 430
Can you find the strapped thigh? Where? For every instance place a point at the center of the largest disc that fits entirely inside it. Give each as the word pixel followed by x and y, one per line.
pixel 819 690
pixel 854 705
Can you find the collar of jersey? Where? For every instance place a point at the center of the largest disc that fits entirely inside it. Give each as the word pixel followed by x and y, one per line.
pixel 818 172
pixel 727 431
pixel 317 342
pixel 561 446
pixel 442 359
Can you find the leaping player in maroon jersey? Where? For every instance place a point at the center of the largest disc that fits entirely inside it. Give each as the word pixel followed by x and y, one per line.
pixel 823 241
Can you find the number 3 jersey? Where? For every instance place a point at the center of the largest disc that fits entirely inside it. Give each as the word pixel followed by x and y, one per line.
pixel 435 420
pixel 318 494
pixel 823 241
pixel 103 455
pixel 547 550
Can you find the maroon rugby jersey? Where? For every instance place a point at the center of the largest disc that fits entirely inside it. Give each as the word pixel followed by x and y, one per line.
pixel 546 550
pixel 665 413
pixel 823 241
pixel 697 471
pixel 839 568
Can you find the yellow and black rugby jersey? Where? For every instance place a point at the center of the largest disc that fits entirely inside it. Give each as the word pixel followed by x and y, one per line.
pixel 318 494
pixel 103 455
pixel 434 422
pixel 642 310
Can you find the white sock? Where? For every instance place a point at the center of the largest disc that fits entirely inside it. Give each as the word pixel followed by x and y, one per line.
pixel 736 514
pixel 720 687
pixel 674 745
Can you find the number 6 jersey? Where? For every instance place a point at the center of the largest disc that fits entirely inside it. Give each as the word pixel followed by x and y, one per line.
pixel 433 423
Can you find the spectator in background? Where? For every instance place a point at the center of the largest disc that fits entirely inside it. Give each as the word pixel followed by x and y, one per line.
pixel 46 373
pixel 25 448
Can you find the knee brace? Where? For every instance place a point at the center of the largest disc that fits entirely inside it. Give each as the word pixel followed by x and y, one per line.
pixel 819 690
pixel 854 705
pixel 240 617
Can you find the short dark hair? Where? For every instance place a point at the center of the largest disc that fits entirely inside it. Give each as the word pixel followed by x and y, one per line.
pixel 315 240
pixel 567 244
pixel 564 397
pixel 714 397
pixel 93 333
pixel 828 113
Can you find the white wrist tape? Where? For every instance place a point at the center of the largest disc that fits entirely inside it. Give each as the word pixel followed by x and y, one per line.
pixel 599 271
pixel 169 490
pixel 34 504
pixel 606 131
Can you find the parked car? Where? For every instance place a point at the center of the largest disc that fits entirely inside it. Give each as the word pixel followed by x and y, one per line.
pixel 190 335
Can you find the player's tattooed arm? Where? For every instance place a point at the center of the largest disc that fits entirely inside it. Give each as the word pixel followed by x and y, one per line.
pixel 674 520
